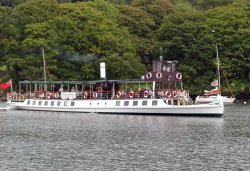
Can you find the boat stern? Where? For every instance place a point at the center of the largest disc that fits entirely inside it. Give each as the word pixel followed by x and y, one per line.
pixel 218 102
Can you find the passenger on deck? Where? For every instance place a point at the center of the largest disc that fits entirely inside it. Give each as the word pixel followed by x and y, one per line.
pixel 60 89
pixel 99 91
pixel 150 92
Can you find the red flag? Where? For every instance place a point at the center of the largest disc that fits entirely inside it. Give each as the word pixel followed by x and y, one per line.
pixel 215 83
pixel 6 85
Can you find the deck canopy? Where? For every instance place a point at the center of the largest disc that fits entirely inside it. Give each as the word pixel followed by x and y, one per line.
pixel 83 82
pixel 29 86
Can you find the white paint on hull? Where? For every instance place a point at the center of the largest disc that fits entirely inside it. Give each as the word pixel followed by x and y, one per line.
pixel 110 106
pixel 209 99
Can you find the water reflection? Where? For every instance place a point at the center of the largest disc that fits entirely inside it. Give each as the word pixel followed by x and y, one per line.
pixel 74 141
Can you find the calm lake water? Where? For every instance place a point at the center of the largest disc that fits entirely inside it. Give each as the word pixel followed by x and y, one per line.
pixel 32 140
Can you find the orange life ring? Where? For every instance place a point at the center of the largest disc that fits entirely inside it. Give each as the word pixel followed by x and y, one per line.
pixel 95 95
pixel 178 76
pixel 168 94
pixel 149 75
pixel 145 94
pixel 174 94
pixel 158 75
pixel 131 94
pixel 118 94
pixel 41 95
pixel 48 95
pixel 56 95
pixel 85 95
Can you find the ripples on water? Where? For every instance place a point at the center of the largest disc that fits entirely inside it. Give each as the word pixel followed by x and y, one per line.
pixel 32 140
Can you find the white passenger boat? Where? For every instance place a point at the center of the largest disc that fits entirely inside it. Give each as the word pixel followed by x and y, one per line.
pixel 158 92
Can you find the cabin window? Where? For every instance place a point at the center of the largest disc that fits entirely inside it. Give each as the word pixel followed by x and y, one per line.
pixel 144 103
pixel 105 103
pixel 46 103
pixel 126 103
pixel 154 103
pixel 52 103
pixel 98 104
pixel 28 102
pixel 118 103
pixel 40 103
pixel 135 103
pixel 66 103
pixel 59 103
pixel 169 102
pixel 34 103
pixel 175 102
pixel 72 104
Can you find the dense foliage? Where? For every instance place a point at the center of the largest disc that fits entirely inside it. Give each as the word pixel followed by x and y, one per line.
pixel 76 35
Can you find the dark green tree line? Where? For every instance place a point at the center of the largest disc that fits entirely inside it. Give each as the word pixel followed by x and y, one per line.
pixel 76 36
pixel 191 39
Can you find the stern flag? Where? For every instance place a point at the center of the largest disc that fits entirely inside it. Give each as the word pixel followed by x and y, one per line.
pixel 6 85
pixel 215 83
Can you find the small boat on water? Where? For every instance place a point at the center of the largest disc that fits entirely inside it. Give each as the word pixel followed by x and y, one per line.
pixel 158 92
pixel 209 96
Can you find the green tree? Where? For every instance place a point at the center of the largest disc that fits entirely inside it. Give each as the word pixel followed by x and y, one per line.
pixel 140 26
pixel 156 9
pixel 189 39
pixel 123 67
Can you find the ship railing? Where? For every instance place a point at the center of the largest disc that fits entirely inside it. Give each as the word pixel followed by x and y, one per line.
pixel 176 95
pixel 119 94
pixel 17 97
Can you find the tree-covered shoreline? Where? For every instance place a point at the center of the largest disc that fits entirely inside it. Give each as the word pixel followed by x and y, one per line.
pixel 127 35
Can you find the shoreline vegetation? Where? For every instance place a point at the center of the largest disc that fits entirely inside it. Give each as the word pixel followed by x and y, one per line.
pixel 69 38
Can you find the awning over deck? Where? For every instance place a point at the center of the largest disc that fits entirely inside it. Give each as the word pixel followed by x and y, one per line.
pixel 83 82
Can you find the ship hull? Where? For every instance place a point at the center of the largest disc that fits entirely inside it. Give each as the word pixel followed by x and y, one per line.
pixel 209 99
pixel 150 106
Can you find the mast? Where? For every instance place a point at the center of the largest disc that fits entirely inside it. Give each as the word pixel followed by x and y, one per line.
pixel 44 69
pixel 218 67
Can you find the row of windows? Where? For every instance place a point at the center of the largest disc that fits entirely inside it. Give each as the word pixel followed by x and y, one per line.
pixel 65 103
pixel 135 103
pixel 52 103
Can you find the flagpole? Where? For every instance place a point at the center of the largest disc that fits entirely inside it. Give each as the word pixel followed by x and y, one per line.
pixel 44 70
pixel 11 90
pixel 218 66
